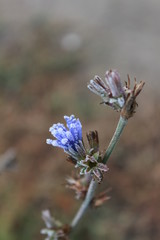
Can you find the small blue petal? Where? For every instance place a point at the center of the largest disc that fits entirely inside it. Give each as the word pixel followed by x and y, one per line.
pixel 59 133
pixel 49 141
pixel 55 143
pixel 69 120
pixel 64 141
pixel 69 136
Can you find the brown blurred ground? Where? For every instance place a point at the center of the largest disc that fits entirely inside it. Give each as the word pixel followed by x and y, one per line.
pixel 41 80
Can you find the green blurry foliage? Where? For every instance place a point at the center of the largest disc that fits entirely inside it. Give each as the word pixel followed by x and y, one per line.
pixel 12 78
pixel 34 73
pixel 28 223
pixel 37 53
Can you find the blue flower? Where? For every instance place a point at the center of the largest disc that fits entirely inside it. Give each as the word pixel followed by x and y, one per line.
pixel 70 138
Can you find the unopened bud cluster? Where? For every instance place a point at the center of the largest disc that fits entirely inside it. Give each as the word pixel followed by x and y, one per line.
pixel 112 92
pixel 54 229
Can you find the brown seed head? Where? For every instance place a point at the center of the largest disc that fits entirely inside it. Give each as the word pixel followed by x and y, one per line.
pixel 130 103
pixel 100 199
pixel 78 186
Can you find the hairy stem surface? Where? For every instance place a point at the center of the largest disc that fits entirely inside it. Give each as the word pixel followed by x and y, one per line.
pixel 86 202
pixel 121 124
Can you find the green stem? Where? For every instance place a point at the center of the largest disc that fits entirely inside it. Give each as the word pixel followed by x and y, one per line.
pixel 121 124
pixel 86 202
pixel 93 184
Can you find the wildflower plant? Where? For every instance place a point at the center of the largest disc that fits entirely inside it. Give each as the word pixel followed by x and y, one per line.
pixel 70 140
pixel 89 160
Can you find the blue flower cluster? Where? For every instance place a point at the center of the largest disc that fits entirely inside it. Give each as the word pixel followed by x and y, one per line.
pixel 69 139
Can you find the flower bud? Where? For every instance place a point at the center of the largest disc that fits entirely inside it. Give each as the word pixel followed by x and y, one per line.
pixel 114 82
pixel 110 90
pixel 93 141
pixel 130 104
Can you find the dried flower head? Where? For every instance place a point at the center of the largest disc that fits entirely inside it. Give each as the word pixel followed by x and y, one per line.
pixel 54 229
pixel 92 165
pixel 110 90
pixel 93 141
pixel 100 199
pixel 78 185
pixel 49 220
pixel 114 94
pixel 131 95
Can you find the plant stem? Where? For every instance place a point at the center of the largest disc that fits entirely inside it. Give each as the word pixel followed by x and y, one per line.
pixel 86 202
pixel 121 124
pixel 93 184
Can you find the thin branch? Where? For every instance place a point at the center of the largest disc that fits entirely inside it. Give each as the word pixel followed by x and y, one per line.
pixel 121 124
pixel 85 204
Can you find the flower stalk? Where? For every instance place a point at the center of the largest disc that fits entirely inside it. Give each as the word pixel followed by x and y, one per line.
pixel 85 204
pixel 93 184
pixel 121 124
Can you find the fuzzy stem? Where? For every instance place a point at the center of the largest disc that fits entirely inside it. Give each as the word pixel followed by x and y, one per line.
pixel 93 184
pixel 121 124
pixel 85 204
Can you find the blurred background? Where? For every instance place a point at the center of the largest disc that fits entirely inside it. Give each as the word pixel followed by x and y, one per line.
pixel 49 50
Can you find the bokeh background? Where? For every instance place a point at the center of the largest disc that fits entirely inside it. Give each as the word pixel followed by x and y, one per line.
pixel 49 50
